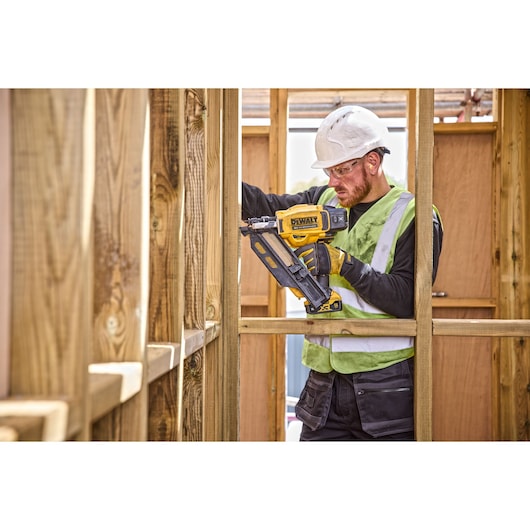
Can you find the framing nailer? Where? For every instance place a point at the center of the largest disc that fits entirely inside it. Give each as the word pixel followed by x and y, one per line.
pixel 273 238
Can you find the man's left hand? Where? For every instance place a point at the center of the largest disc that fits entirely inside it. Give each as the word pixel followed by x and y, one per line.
pixel 321 258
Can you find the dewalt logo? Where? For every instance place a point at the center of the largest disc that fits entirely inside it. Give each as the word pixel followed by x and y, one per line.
pixel 304 222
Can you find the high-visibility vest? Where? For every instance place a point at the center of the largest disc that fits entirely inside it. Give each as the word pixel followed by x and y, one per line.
pixel 373 241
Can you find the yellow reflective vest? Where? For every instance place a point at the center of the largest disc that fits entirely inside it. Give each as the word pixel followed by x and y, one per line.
pixel 372 240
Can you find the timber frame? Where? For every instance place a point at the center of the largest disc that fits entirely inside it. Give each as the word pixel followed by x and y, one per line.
pixel 120 256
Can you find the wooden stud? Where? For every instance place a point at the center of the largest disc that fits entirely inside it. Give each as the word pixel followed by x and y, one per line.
pixel 166 305
pixel 215 231
pixel 121 220
pixel 191 370
pixel 278 169
pixel 514 364
pixel 423 275
pixel 51 329
pixel 229 352
pixel 6 228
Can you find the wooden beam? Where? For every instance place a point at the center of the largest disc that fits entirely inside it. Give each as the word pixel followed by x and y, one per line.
pixel 194 212
pixel 411 139
pixel 121 247
pixel 190 379
pixel 229 353
pixel 214 233
pixel 53 178
pixel 6 227
pixel 301 326
pixel 279 113
pixel 379 328
pixel 514 256
pixel 166 305
pixel 21 429
pixel 166 294
pixel 423 275
pixel 481 327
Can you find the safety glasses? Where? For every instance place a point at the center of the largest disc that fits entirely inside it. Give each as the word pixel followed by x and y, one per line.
pixel 342 170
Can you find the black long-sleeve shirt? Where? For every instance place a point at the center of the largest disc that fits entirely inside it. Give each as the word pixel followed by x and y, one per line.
pixel 391 292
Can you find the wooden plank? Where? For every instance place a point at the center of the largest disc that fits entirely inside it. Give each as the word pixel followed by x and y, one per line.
pixel 105 390
pixel 54 414
pixel 278 169
pixel 334 326
pixel 256 370
pixel 163 372
pixel 463 166
pixel 411 139
pixel 190 380
pixel 229 354
pixel 481 327
pixel 215 230
pixel 514 361
pixel 21 428
pixel 399 328
pixel 192 398
pixel 255 130
pixel 214 226
pixel 167 295
pixel 423 275
pixel 255 300
pixel 462 380
pixel 6 227
pixel 121 220
pixel 194 211
pixel 212 405
pixel 496 275
pixel 163 408
pixel 464 302
pixel 52 190
pixel 465 128
pixel 257 351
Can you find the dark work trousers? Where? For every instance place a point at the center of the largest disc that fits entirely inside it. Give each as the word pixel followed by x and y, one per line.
pixel 369 406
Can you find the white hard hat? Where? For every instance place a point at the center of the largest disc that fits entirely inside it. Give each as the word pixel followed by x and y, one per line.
pixel 346 133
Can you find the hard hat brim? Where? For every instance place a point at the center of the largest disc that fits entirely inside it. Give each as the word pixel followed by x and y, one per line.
pixel 326 164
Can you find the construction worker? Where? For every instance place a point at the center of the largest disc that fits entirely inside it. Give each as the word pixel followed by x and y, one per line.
pixel 358 388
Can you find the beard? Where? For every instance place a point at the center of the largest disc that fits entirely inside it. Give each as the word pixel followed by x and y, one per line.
pixel 358 192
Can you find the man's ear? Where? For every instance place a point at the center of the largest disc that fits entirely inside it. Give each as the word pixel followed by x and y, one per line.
pixel 373 159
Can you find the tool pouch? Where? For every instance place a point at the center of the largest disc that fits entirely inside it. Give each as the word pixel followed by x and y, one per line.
pixel 315 399
pixel 385 399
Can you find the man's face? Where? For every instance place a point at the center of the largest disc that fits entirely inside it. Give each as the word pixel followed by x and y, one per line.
pixel 351 182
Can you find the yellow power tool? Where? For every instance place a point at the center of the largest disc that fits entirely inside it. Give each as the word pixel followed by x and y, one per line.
pixel 273 239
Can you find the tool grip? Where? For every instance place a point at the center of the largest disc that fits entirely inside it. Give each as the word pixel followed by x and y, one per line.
pixel 323 280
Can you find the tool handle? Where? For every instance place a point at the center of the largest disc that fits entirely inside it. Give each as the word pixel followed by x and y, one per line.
pixel 323 280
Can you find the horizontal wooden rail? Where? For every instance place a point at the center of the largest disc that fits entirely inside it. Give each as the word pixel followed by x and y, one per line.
pixel 21 428
pixel 53 413
pixel 465 128
pixel 110 384
pixel 334 326
pixel 162 357
pixel 463 302
pixel 392 327
pixel 481 327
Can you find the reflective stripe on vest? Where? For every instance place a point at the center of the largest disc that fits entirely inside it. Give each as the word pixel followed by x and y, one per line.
pixel 365 344
pixel 384 243
pixel 352 299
